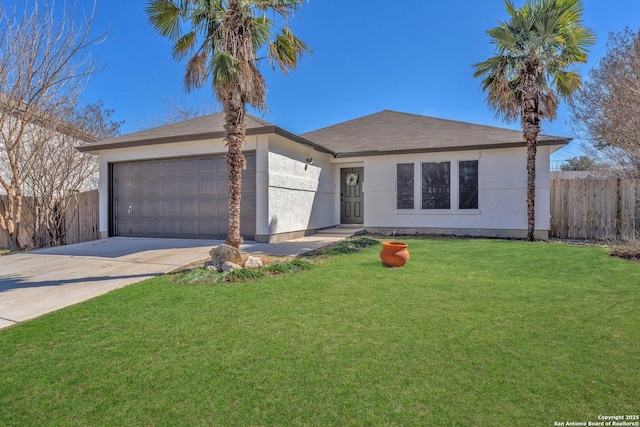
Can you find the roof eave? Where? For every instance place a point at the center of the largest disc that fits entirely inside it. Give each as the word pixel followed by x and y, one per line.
pixel 94 148
pixel 550 142
pixel 301 140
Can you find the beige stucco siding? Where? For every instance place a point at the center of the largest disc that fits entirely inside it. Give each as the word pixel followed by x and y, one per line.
pixel 298 199
pixel 502 178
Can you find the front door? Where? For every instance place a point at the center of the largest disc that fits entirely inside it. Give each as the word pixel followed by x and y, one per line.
pixel 351 197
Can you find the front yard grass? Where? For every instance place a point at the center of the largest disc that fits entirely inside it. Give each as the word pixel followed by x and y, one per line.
pixel 468 333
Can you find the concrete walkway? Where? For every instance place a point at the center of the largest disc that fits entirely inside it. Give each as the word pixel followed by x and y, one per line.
pixel 42 281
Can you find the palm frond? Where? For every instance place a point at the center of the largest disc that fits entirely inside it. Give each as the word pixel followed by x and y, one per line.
pixel 284 8
pixel 285 50
pixel 184 46
pixel 541 39
pixel 222 38
pixel 196 71
pixel 567 82
pixel 164 16
pixel 261 31
pixel 224 68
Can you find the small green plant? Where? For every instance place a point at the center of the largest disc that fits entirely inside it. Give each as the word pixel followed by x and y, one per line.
pixel 201 276
pixel 197 276
pixel 240 275
pixel 293 266
pixel 350 246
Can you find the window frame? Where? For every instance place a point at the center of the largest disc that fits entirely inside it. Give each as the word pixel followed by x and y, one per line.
pixel 454 187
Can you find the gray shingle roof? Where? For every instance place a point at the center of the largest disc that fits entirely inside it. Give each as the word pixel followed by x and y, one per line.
pixel 205 127
pixel 386 132
pixel 389 132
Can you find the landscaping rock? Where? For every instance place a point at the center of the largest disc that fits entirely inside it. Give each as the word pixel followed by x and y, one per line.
pixel 223 253
pixel 230 266
pixel 253 262
pixel 209 265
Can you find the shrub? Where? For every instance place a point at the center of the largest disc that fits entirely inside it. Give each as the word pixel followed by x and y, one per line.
pixel 293 266
pixel 349 246
pixel 625 249
pixel 197 276
pixel 201 276
pixel 240 275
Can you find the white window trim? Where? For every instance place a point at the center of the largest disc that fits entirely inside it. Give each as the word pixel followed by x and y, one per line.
pixel 454 182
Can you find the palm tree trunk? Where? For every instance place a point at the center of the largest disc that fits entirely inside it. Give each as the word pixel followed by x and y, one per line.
pixel 235 137
pixel 530 131
pixel 531 188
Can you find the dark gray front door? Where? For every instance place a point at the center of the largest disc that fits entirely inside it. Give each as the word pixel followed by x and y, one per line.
pixel 351 197
pixel 185 198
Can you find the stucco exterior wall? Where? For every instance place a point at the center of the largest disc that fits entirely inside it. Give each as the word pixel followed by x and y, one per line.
pixel 298 199
pixel 502 209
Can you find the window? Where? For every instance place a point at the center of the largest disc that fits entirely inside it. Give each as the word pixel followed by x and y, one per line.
pixel 405 181
pixel 468 185
pixel 436 183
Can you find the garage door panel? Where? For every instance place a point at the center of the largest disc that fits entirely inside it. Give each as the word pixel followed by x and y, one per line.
pixel 123 228
pixel 154 208
pixel 189 208
pixel 207 208
pixel 189 166
pixel 188 186
pixel 188 228
pixel 208 228
pixel 249 184
pixel 171 208
pixel 222 207
pixel 206 185
pixel 179 198
pixel 221 187
pixel 138 227
pixel 171 227
pixel 156 188
pixel 247 205
pixel 170 167
pixel 136 208
pixel 220 164
pixel 121 209
pixel 169 186
pixel 206 165
pixel 139 186
pixel 155 227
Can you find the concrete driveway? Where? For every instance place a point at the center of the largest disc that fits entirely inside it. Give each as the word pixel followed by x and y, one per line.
pixel 42 281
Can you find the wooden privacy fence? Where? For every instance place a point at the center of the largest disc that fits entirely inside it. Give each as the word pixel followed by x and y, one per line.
pixel 594 208
pixel 80 219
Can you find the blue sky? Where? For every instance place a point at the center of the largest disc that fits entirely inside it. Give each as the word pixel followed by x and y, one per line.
pixel 413 56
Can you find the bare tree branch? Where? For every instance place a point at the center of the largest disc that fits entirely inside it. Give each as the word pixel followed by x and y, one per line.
pixel 606 113
pixel 45 62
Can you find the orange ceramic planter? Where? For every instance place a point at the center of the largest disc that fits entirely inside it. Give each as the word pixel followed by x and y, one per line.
pixel 394 254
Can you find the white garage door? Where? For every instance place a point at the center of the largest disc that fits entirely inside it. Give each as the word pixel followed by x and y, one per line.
pixel 184 198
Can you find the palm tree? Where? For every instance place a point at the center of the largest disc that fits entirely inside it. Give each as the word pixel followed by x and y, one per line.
pixel 529 72
pixel 222 38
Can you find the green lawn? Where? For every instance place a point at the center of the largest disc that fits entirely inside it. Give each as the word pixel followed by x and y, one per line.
pixel 468 333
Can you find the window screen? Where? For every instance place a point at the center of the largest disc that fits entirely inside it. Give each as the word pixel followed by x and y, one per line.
pixel 468 184
pixel 405 179
pixel 436 185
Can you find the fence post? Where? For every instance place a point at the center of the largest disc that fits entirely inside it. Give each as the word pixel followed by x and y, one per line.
pixel 618 209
